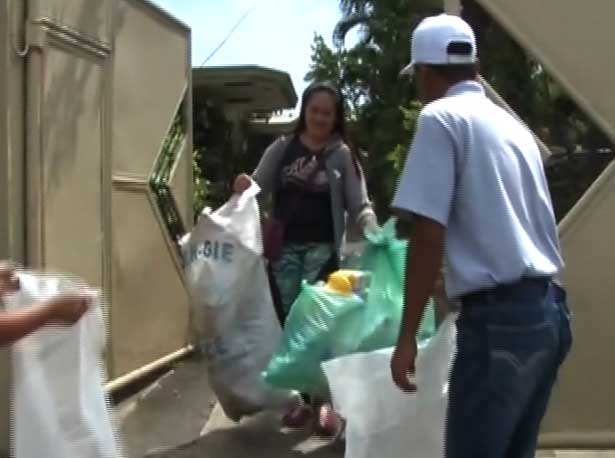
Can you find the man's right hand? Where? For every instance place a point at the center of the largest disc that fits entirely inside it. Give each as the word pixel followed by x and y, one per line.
pixel 242 183
pixel 68 309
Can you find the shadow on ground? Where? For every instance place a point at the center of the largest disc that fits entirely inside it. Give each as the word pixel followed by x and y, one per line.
pixel 257 437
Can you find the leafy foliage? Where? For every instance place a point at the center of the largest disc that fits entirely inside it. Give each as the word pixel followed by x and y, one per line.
pixel 382 105
pixel 217 161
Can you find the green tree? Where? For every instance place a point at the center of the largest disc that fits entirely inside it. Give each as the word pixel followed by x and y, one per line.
pixel 383 107
pixel 380 103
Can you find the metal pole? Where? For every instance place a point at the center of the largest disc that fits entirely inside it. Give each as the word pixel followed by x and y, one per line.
pixel 154 366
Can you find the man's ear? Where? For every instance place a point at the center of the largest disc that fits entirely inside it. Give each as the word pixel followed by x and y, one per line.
pixel 434 76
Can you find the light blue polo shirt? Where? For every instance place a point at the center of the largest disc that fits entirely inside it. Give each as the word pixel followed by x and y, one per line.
pixel 476 170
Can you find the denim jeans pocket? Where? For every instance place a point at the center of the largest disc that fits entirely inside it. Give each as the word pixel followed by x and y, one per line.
pixel 518 356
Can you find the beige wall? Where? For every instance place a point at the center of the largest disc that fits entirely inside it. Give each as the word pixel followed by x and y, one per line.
pixel 104 81
pixel 11 172
pixel 71 159
pixel 12 71
pixel 104 103
pixel 151 79
pixel 573 40
pixel 91 19
pixel 582 411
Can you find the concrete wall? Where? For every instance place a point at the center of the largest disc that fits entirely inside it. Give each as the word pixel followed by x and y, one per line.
pixel 152 78
pixel 12 229
pixel 581 413
pixel 88 108
pixel 573 40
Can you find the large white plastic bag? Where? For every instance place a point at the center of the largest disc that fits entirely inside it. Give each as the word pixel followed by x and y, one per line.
pixel 384 422
pixel 60 409
pixel 233 313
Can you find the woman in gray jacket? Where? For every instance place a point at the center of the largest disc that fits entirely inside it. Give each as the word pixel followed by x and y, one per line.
pixel 319 198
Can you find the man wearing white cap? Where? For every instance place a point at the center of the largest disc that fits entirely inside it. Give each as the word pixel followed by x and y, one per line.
pixel 475 189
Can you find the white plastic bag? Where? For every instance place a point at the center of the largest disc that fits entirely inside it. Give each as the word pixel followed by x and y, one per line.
pixel 384 422
pixel 233 313
pixel 60 409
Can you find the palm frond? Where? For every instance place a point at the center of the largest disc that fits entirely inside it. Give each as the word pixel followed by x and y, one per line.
pixel 350 7
pixel 345 25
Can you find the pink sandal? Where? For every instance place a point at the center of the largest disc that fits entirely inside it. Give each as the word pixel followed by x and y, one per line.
pixel 297 417
pixel 329 423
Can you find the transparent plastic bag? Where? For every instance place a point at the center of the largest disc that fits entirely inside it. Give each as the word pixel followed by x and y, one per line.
pixel 60 408
pixel 233 314
pixel 384 422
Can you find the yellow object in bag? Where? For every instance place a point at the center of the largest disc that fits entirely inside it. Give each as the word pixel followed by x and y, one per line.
pixel 347 281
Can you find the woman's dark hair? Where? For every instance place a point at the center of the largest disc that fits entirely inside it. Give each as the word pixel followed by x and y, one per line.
pixel 339 125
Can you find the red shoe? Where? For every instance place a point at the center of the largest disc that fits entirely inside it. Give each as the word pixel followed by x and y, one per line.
pixel 297 417
pixel 329 423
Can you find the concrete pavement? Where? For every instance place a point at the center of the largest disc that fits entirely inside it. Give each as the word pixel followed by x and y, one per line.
pixel 576 454
pixel 168 413
pixel 177 417
pixel 261 437
pixel 256 437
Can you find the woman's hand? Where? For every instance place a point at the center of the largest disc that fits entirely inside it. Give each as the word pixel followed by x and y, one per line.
pixel 242 183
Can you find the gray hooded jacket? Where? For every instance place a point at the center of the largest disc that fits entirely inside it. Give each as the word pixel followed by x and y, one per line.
pixel 353 214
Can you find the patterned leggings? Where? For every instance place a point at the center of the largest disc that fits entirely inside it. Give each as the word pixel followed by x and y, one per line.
pixel 299 262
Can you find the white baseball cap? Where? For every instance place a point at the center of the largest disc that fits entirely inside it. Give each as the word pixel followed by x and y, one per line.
pixel 442 40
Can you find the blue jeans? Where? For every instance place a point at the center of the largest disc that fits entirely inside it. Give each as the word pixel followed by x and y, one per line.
pixel 511 342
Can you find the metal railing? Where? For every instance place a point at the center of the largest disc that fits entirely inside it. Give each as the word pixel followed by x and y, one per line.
pixel 159 180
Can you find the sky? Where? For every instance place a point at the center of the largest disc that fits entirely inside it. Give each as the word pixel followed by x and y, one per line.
pixel 276 33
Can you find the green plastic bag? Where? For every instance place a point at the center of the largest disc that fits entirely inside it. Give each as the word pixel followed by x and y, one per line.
pixel 310 338
pixel 385 258
pixel 323 325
